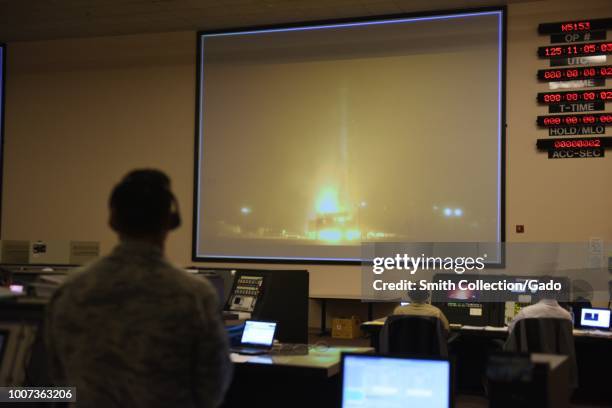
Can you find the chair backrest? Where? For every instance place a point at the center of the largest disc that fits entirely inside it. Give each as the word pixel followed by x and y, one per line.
pixel 416 335
pixel 545 335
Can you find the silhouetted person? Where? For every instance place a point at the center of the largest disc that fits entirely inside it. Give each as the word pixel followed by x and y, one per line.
pixel 131 330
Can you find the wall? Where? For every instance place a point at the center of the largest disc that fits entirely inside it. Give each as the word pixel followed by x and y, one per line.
pixel 556 200
pixel 80 113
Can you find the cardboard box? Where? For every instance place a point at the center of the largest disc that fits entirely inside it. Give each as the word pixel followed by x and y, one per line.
pixel 346 327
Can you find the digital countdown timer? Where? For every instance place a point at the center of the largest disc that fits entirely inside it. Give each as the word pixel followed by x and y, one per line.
pixel 578 148
pixel 566 74
pixel 574 143
pixel 575 26
pixel 604 95
pixel 573 120
pixel 576 50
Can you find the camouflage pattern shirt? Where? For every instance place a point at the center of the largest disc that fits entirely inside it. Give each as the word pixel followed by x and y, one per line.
pixel 131 330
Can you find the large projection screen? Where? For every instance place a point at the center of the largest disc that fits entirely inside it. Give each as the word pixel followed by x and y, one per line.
pixel 313 139
pixel 2 76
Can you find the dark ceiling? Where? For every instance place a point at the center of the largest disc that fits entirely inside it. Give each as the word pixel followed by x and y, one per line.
pixel 27 20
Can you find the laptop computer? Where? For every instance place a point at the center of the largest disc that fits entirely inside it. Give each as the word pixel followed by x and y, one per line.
pixel 257 338
pixel 375 381
pixel 598 319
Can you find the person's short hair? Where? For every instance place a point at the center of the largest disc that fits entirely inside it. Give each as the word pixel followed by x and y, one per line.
pixel 418 295
pixel 142 204
pixel 551 294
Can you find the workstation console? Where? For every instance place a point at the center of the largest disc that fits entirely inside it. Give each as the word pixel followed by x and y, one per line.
pixel 262 294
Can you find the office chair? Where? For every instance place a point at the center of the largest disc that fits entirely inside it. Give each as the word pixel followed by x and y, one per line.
pixel 545 335
pixel 417 335
pixel 513 380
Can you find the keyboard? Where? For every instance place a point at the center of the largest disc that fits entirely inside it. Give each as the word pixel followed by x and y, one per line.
pixel 251 351
pixel 290 350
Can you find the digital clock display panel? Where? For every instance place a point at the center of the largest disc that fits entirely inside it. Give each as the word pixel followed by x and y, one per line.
pixel 574 143
pixel 575 96
pixel 575 26
pixel 565 74
pixel 576 50
pixel 573 120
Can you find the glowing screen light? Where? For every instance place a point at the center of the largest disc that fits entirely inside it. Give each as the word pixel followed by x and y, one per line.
pixel 327 201
pixel 353 234
pixel 330 235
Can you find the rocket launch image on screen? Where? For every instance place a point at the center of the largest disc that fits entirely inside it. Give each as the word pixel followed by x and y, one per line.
pixel 312 140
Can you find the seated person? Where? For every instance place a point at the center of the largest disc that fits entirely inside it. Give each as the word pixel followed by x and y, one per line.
pixel 419 307
pixel 547 307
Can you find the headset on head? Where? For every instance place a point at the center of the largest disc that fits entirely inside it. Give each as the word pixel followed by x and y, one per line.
pixel 175 215
pixel 158 179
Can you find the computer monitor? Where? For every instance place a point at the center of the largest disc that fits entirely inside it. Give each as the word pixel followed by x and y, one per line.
pixel 3 342
pixel 258 333
pixel 374 381
pixel 465 295
pixel 595 318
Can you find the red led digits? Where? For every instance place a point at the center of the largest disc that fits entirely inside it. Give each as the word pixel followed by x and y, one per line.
pixel 604 71
pixel 577 26
pixel 575 96
pixel 580 26
pixel 576 143
pixel 576 50
pixel 573 120
pixel 575 73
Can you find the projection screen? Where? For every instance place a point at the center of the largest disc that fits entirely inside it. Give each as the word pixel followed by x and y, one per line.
pixel 2 76
pixel 312 139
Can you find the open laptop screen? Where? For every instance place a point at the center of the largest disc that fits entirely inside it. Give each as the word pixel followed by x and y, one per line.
pixel 595 318
pixel 258 333
pixel 370 381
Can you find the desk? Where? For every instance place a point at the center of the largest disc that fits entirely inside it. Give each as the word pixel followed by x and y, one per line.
pixel 284 380
pixel 323 299
pixel 373 327
pixel 325 361
pixel 23 308
pixel 472 344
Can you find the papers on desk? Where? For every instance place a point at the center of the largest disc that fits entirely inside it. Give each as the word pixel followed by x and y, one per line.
pixel 240 358
pixel 243 358
pixel 244 315
pixel 455 326
pixel 592 333
pixel 377 322
pixel 485 328
pixel 495 328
